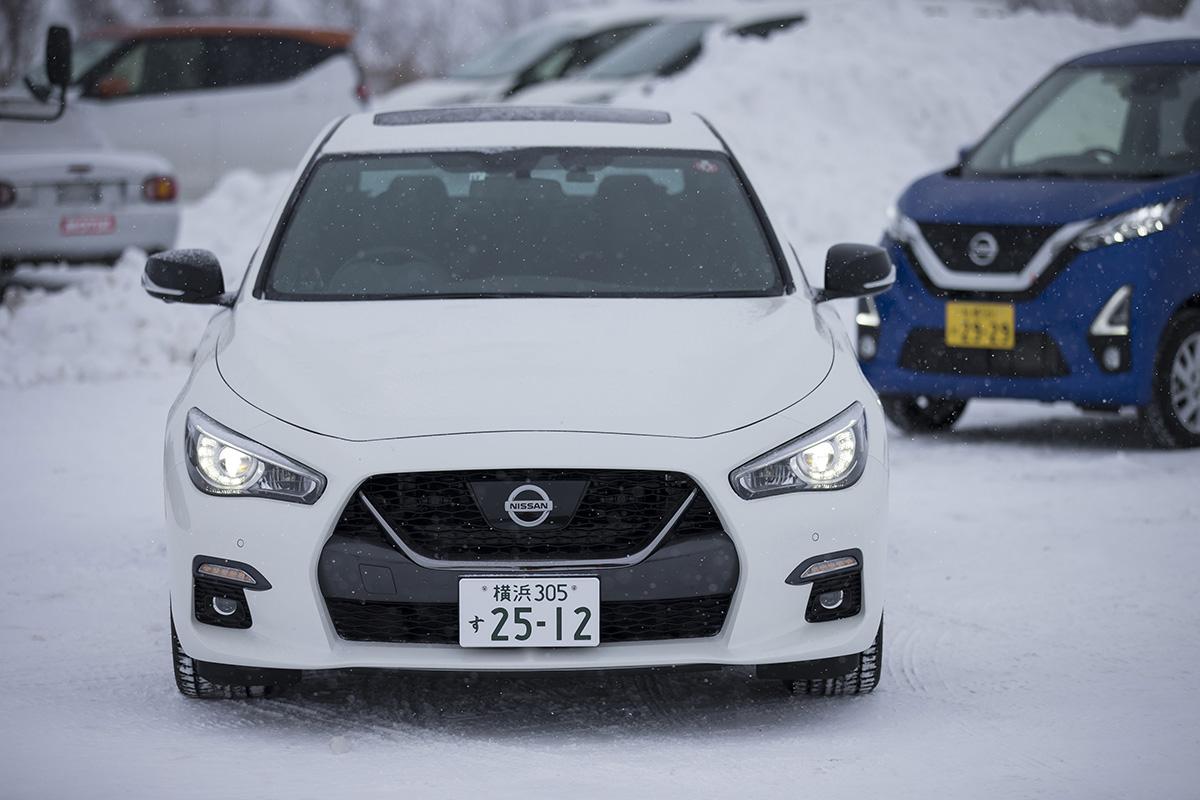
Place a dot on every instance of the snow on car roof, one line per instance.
(508, 126)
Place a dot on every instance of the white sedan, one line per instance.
(519, 388)
(66, 196)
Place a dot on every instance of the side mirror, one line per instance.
(964, 153)
(58, 56)
(856, 270)
(185, 276)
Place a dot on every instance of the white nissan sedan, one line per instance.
(520, 388)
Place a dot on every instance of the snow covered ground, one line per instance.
(1043, 636)
(1043, 623)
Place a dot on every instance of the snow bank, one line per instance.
(833, 119)
(103, 325)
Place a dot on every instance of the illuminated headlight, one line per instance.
(223, 462)
(1131, 225)
(830, 457)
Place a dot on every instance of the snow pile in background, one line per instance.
(833, 119)
(103, 325)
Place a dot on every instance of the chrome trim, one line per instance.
(160, 291)
(882, 282)
(526, 566)
(1102, 325)
(945, 278)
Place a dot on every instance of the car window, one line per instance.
(516, 52)
(153, 66)
(1117, 122)
(576, 54)
(659, 50)
(537, 222)
(767, 27)
(249, 60)
(1089, 113)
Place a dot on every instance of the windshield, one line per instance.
(526, 223)
(651, 51)
(85, 54)
(516, 52)
(1099, 122)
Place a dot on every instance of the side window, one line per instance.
(767, 27)
(1179, 118)
(1089, 114)
(251, 60)
(590, 47)
(153, 66)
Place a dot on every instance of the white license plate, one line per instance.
(87, 225)
(529, 612)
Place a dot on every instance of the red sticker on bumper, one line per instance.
(88, 225)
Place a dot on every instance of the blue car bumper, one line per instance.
(1056, 359)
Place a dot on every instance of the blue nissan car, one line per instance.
(1060, 259)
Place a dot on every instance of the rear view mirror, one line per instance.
(856, 270)
(185, 276)
(58, 56)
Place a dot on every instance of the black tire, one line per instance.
(1161, 419)
(861, 681)
(920, 414)
(190, 684)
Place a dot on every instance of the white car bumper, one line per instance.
(292, 627)
(67, 234)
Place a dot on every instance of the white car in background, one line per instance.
(516, 388)
(67, 195)
(664, 50)
(215, 96)
(545, 50)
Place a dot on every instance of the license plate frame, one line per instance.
(981, 326)
(511, 611)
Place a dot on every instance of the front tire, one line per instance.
(1172, 417)
(190, 684)
(862, 680)
(921, 414)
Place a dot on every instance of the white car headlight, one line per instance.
(1135, 224)
(829, 457)
(223, 462)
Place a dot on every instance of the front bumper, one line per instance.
(38, 234)
(1052, 325)
(292, 627)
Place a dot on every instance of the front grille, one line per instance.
(436, 514)
(1017, 244)
(437, 623)
(1036, 355)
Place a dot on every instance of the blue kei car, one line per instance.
(1060, 259)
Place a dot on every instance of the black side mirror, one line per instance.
(964, 153)
(856, 270)
(185, 276)
(58, 56)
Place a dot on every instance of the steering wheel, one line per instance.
(1101, 154)
(384, 270)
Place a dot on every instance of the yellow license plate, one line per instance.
(988, 326)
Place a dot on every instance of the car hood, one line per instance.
(1031, 201)
(387, 369)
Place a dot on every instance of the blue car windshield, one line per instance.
(1115, 122)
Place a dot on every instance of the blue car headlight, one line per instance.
(1137, 223)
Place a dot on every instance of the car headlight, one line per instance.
(223, 462)
(1135, 224)
(832, 456)
(897, 224)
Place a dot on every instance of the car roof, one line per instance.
(510, 126)
(328, 37)
(1177, 51)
